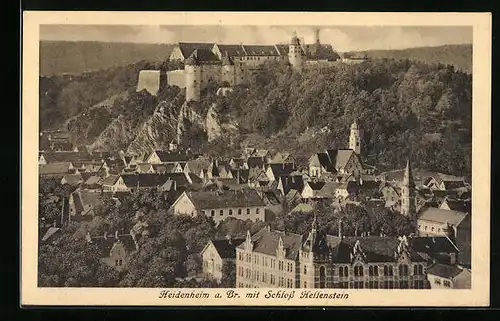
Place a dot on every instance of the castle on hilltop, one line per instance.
(226, 65)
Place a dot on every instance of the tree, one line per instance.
(228, 274)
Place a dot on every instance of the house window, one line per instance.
(305, 269)
(212, 213)
(221, 212)
(230, 212)
(248, 211)
(239, 211)
(403, 269)
(257, 211)
(447, 283)
(437, 281)
(358, 271)
(120, 262)
(305, 284)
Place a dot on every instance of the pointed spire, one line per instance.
(408, 177)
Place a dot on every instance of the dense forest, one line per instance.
(170, 245)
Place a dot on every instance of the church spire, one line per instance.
(408, 207)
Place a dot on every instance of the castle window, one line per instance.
(447, 283)
(322, 277)
(248, 211)
(341, 271)
(221, 212)
(230, 212)
(212, 213)
(257, 211)
(305, 269)
(239, 211)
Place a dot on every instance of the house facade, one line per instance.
(216, 254)
(240, 204)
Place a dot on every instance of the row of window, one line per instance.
(374, 270)
(446, 283)
(418, 284)
(432, 228)
(265, 261)
(230, 212)
(263, 277)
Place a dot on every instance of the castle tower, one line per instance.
(316, 36)
(408, 207)
(228, 70)
(355, 139)
(295, 53)
(192, 72)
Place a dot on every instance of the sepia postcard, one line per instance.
(255, 159)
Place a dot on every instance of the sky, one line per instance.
(341, 38)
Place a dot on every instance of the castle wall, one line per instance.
(193, 85)
(176, 78)
(149, 80)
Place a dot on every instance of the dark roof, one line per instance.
(110, 180)
(379, 249)
(291, 182)
(171, 156)
(187, 48)
(255, 162)
(282, 49)
(238, 198)
(232, 50)
(243, 175)
(321, 52)
(281, 169)
(444, 270)
(179, 178)
(459, 205)
(106, 243)
(227, 248)
(57, 157)
(453, 184)
(260, 50)
(340, 157)
(316, 186)
(271, 197)
(266, 242)
(202, 56)
(144, 180)
(435, 248)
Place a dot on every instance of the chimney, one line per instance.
(116, 234)
(174, 185)
(229, 239)
(340, 228)
(105, 235)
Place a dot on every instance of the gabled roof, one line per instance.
(282, 49)
(73, 179)
(266, 242)
(242, 174)
(187, 48)
(255, 161)
(444, 270)
(110, 180)
(227, 248)
(271, 197)
(280, 158)
(340, 157)
(94, 180)
(453, 184)
(323, 160)
(433, 245)
(316, 186)
(289, 182)
(106, 243)
(215, 200)
(442, 216)
(463, 206)
(281, 169)
(379, 249)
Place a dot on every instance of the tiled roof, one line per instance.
(316, 186)
(144, 180)
(260, 153)
(226, 199)
(93, 180)
(227, 248)
(203, 56)
(442, 216)
(453, 184)
(289, 182)
(303, 207)
(282, 49)
(110, 180)
(266, 242)
(232, 50)
(260, 50)
(242, 174)
(54, 168)
(280, 158)
(434, 247)
(57, 157)
(254, 161)
(444, 270)
(180, 179)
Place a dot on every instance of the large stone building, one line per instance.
(281, 259)
(229, 65)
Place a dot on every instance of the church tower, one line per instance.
(408, 207)
(295, 53)
(355, 139)
(192, 70)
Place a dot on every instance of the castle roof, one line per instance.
(266, 242)
(260, 50)
(232, 50)
(187, 48)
